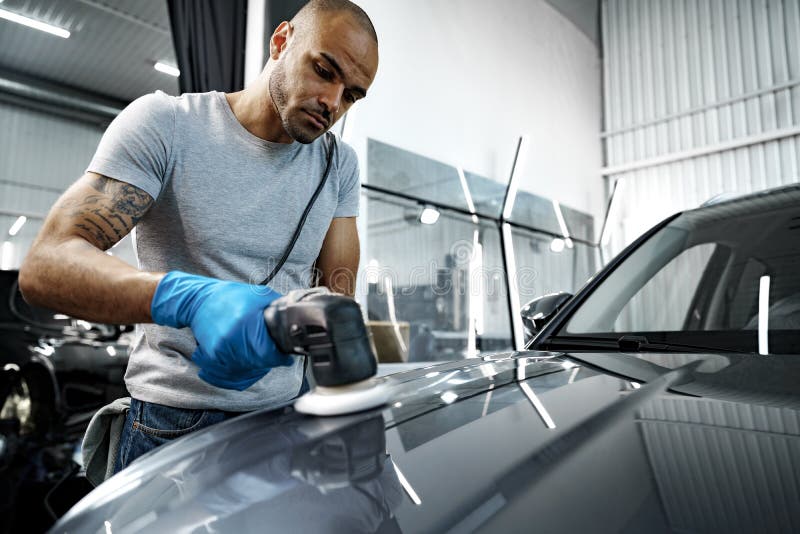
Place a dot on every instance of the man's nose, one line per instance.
(331, 98)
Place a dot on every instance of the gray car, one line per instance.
(663, 397)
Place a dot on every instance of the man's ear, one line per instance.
(279, 39)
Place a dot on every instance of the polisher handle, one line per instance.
(329, 329)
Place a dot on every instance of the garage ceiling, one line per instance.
(111, 52)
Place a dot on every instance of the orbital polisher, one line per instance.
(329, 330)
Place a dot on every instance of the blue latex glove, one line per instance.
(234, 348)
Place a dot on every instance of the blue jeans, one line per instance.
(148, 425)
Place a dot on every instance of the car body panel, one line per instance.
(527, 441)
(618, 437)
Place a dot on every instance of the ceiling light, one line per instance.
(167, 69)
(429, 216)
(557, 245)
(31, 23)
(15, 228)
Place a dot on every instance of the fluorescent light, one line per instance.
(513, 182)
(429, 216)
(35, 24)
(513, 287)
(406, 486)
(373, 271)
(573, 375)
(449, 397)
(605, 235)
(465, 188)
(521, 363)
(476, 292)
(763, 315)
(6, 255)
(537, 405)
(17, 225)
(167, 69)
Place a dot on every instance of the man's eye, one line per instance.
(350, 97)
(324, 74)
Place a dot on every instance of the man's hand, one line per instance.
(234, 348)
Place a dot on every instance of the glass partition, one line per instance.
(435, 291)
(547, 264)
(437, 262)
(407, 173)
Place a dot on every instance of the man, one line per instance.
(215, 185)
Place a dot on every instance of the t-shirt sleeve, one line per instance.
(349, 182)
(137, 145)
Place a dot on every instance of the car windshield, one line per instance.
(725, 276)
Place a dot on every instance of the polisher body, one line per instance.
(329, 330)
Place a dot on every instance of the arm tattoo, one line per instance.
(106, 217)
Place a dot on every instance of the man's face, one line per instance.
(318, 76)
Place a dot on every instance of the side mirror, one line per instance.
(539, 311)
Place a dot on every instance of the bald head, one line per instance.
(321, 63)
(316, 12)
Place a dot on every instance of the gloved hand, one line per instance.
(234, 348)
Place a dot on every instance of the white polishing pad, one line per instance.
(341, 400)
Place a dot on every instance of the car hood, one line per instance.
(517, 442)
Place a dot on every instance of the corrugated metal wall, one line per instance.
(701, 98)
(40, 156)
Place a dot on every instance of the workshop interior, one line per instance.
(576, 306)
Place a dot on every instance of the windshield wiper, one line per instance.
(630, 344)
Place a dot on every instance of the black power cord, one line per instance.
(330, 151)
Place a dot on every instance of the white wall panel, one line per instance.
(476, 76)
(702, 76)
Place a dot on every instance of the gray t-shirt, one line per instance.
(227, 204)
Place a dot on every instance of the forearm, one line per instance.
(337, 264)
(76, 278)
(339, 280)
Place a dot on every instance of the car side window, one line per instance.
(662, 304)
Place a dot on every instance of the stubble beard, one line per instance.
(279, 95)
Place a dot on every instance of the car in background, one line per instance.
(55, 372)
(664, 396)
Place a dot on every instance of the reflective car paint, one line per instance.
(517, 442)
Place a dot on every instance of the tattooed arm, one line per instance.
(67, 269)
